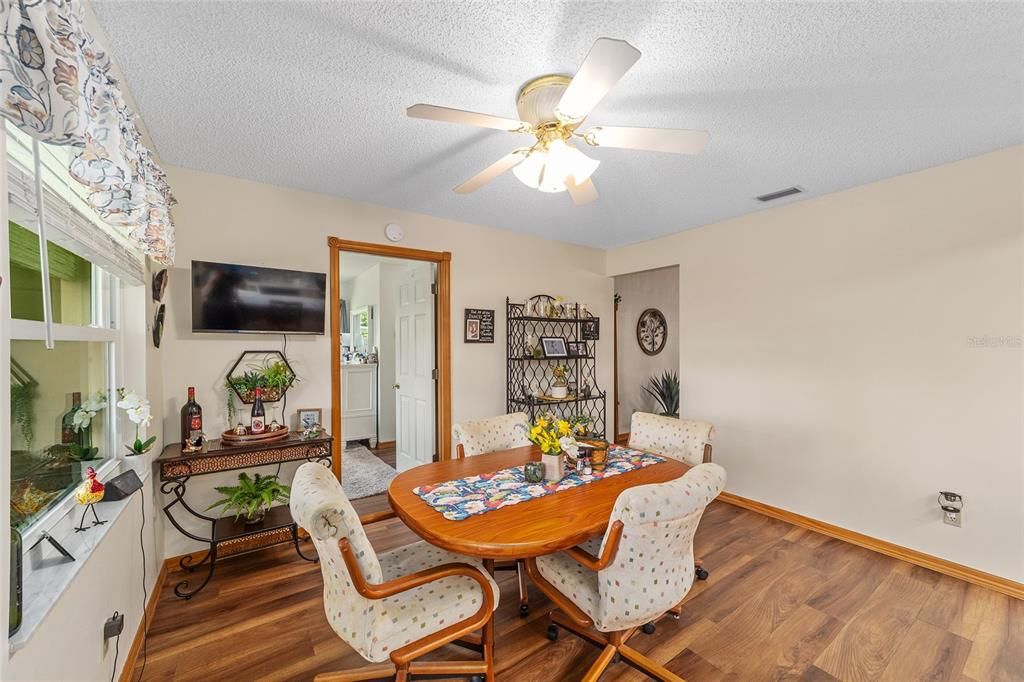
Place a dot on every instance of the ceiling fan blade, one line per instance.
(607, 61)
(503, 164)
(582, 193)
(649, 139)
(469, 118)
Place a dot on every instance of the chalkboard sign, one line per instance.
(479, 326)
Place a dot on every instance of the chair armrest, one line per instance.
(413, 580)
(611, 548)
(374, 517)
(707, 452)
(390, 588)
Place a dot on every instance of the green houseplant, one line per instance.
(252, 497)
(665, 390)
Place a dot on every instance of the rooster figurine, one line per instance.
(89, 493)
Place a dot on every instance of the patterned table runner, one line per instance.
(465, 497)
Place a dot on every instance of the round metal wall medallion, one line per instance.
(651, 331)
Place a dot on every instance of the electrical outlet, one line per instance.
(951, 518)
(114, 626)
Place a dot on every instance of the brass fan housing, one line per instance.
(536, 104)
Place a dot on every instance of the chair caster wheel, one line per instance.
(647, 628)
(701, 573)
(552, 632)
(617, 657)
(477, 678)
(524, 610)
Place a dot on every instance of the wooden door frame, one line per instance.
(443, 333)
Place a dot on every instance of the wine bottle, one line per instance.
(68, 433)
(191, 418)
(259, 414)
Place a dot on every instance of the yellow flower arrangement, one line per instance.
(552, 435)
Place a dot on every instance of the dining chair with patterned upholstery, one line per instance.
(686, 440)
(481, 436)
(398, 605)
(642, 568)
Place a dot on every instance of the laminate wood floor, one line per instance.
(781, 603)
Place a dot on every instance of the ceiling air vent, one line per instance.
(772, 196)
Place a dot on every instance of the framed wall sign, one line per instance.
(590, 329)
(479, 327)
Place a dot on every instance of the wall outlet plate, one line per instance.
(114, 626)
(951, 518)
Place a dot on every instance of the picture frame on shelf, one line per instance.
(577, 349)
(590, 329)
(307, 417)
(554, 347)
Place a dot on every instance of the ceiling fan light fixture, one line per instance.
(529, 170)
(547, 169)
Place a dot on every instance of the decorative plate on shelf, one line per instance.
(651, 331)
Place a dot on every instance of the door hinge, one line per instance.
(433, 289)
(434, 375)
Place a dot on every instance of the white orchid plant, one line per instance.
(88, 410)
(138, 411)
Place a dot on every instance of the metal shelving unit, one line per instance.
(524, 371)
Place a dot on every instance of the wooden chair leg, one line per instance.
(600, 664)
(382, 671)
(524, 597)
(402, 673)
(488, 643)
(645, 665)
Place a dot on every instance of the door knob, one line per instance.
(396, 387)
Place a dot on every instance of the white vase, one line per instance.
(554, 466)
(559, 392)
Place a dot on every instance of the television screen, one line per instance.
(243, 298)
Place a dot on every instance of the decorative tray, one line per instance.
(266, 437)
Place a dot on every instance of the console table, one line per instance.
(229, 537)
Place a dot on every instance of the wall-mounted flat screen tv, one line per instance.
(248, 299)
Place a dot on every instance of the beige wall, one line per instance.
(834, 343)
(231, 220)
(640, 291)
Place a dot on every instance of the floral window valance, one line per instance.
(56, 86)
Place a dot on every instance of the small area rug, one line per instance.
(363, 473)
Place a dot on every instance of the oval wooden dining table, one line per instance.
(528, 529)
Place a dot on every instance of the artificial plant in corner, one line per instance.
(665, 390)
(252, 497)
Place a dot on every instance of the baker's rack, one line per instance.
(525, 372)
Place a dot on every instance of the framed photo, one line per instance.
(479, 326)
(577, 349)
(554, 347)
(590, 329)
(309, 416)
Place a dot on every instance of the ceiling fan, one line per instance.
(552, 108)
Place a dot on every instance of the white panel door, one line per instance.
(414, 368)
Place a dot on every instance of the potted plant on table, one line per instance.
(252, 497)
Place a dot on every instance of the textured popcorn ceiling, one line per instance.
(826, 96)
